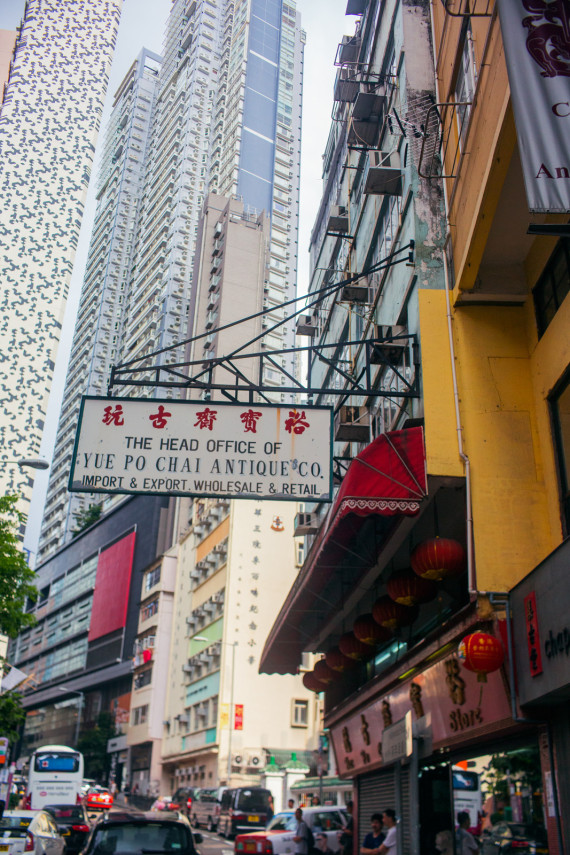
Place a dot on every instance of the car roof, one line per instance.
(118, 817)
(23, 813)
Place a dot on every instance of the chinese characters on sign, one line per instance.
(532, 635)
(198, 449)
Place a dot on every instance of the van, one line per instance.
(243, 809)
(206, 809)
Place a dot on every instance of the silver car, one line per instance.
(30, 831)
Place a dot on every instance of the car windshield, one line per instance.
(66, 812)
(141, 837)
(279, 822)
(253, 800)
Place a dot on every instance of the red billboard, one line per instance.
(112, 584)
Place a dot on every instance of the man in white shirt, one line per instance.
(390, 845)
(465, 842)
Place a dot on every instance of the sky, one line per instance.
(143, 25)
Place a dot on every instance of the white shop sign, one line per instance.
(190, 448)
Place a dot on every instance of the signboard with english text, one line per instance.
(536, 36)
(189, 448)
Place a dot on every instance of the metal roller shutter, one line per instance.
(403, 809)
(376, 792)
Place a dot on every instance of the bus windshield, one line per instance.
(56, 762)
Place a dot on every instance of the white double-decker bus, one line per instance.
(55, 777)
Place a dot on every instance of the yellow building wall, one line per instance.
(513, 530)
(442, 454)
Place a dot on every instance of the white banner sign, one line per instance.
(184, 448)
(536, 35)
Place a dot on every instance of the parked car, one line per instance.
(515, 838)
(278, 836)
(73, 825)
(142, 832)
(243, 809)
(183, 798)
(30, 831)
(206, 808)
(98, 798)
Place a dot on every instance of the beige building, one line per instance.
(150, 671)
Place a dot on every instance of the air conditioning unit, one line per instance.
(306, 325)
(338, 219)
(305, 523)
(355, 294)
(346, 85)
(352, 424)
(188, 669)
(389, 351)
(384, 176)
(237, 759)
(256, 760)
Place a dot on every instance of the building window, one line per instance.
(465, 85)
(560, 404)
(553, 285)
(151, 578)
(140, 714)
(299, 713)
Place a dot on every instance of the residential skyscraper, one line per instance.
(101, 322)
(226, 116)
(49, 120)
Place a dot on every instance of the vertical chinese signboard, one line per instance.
(238, 717)
(532, 635)
(187, 448)
(536, 36)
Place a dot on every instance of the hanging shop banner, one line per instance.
(536, 35)
(188, 448)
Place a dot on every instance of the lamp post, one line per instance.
(233, 645)
(29, 462)
(81, 697)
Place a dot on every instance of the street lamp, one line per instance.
(233, 645)
(81, 697)
(30, 462)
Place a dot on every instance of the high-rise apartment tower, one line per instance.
(49, 120)
(225, 115)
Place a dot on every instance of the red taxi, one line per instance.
(277, 839)
(98, 798)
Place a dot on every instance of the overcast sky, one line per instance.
(143, 24)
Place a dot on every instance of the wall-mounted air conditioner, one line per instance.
(352, 424)
(384, 176)
(307, 325)
(305, 523)
(255, 759)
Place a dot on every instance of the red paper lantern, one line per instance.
(367, 630)
(336, 660)
(352, 647)
(481, 653)
(408, 589)
(311, 683)
(392, 615)
(147, 655)
(438, 559)
(323, 673)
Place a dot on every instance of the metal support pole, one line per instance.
(78, 722)
(230, 723)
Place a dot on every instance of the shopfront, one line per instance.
(541, 629)
(439, 743)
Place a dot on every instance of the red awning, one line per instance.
(387, 479)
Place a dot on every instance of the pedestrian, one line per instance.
(322, 844)
(346, 837)
(301, 836)
(315, 801)
(270, 810)
(375, 838)
(390, 844)
(464, 840)
(291, 804)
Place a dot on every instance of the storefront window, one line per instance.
(488, 804)
(561, 419)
